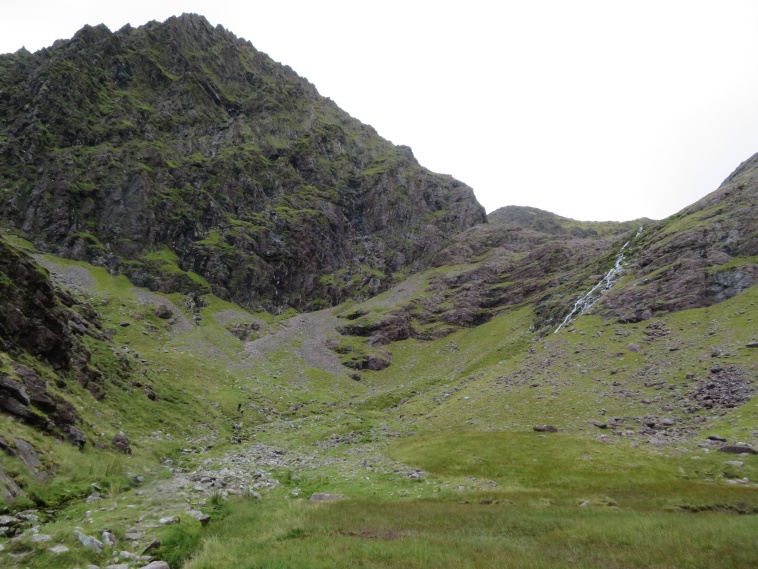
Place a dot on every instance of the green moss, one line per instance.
(164, 254)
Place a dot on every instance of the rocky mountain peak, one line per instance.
(181, 156)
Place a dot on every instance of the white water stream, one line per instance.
(588, 300)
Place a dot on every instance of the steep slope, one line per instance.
(181, 156)
(264, 427)
(703, 255)
(521, 257)
(42, 328)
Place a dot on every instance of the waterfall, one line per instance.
(588, 300)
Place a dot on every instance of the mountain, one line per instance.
(182, 157)
(522, 390)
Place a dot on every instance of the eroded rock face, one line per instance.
(45, 322)
(696, 258)
(182, 139)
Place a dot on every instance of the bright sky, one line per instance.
(592, 109)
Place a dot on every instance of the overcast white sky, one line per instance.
(592, 109)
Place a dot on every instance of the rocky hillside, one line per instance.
(168, 192)
(182, 157)
(703, 255)
(526, 257)
(44, 328)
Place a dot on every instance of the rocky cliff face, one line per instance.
(43, 327)
(705, 254)
(181, 156)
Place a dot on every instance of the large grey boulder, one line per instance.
(90, 542)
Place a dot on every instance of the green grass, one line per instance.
(534, 527)
(495, 494)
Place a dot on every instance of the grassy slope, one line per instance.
(470, 400)
(492, 493)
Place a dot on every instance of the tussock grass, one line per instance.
(471, 535)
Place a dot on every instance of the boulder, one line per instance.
(76, 436)
(28, 455)
(163, 311)
(121, 442)
(152, 546)
(156, 565)
(10, 521)
(89, 541)
(738, 449)
(199, 516)
(545, 429)
(109, 539)
(14, 389)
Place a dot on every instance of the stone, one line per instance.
(109, 539)
(76, 436)
(94, 497)
(735, 463)
(324, 497)
(121, 442)
(89, 542)
(752, 344)
(600, 424)
(41, 538)
(118, 566)
(163, 311)
(13, 406)
(716, 438)
(9, 490)
(14, 389)
(545, 429)
(134, 535)
(155, 544)
(156, 565)
(58, 549)
(200, 516)
(28, 455)
(28, 515)
(738, 449)
(169, 520)
(10, 521)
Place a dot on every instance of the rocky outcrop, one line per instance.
(44, 322)
(703, 255)
(181, 156)
(521, 256)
